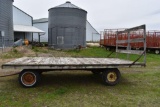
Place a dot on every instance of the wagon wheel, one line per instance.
(111, 77)
(29, 78)
(157, 52)
(148, 50)
(108, 48)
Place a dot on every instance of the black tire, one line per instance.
(29, 78)
(148, 50)
(111, 76)
(108, 48)
(96, 72)
(40, 72)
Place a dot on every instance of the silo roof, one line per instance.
(68, 4)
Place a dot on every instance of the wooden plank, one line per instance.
(19, 60)
(69, 67)
(66, 61)
(132, 29)
(138, 52)
(130, 41)
(55, 67)
(137, 40)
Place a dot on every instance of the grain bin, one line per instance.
(6, 23)
(67, 26)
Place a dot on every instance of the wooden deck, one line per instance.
(65, 63)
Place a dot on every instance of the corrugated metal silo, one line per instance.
(67, 26)
(6, 22)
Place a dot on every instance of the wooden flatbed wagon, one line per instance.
(32, 67)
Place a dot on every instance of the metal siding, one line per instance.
(6, 22)
(20, 18)
(44, 27)
(91, 33)
(67, 18)
(29, 36)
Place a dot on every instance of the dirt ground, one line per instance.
(24, 50)
(28, 52)
(93, 44)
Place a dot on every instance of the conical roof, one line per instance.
(68, 4)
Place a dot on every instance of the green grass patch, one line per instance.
(89, 52)
(98, 52)
(139, 87)
(40, 49)
(14, 53)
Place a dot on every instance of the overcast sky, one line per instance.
(103, 14)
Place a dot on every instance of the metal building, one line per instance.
(43, 25)
(6, 23)
(23, 25)
(91, 33)
(67, 26)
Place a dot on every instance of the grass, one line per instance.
(89, 52)
(97, 52)
(39, 49)
(14, 53)
(139, 87)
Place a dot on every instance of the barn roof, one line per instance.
(23, 28)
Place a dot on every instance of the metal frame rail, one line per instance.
(129, 51)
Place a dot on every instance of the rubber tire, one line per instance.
(96, 72)
(105, 79)
(36, 74)
(157, 51)
(148, 50)
(40, 72)
(108, 48)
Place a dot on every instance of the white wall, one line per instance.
(28, 36)
(44, 27)
(20, 18)
(91, 33)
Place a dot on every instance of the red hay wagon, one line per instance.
(108, 39)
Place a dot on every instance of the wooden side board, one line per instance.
(66, 63)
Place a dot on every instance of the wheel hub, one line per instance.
(157, 51)
(28, 79)
(112, 77)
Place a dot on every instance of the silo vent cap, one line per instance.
(68, 2)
